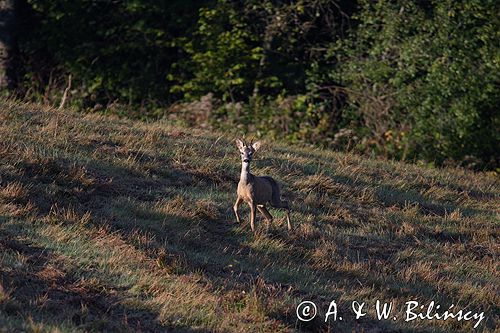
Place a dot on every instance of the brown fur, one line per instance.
(256, 191)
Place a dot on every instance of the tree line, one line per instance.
(413, 80)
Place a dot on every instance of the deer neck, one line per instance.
(245, 173)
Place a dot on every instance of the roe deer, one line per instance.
(257, 191)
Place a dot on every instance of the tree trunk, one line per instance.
(8, 46)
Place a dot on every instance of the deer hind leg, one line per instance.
(288, 219)
(235, 208)
(266, 213)
(284, 204)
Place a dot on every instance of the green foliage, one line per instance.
(223, 56)
(427, 70)
(403, 79)
(255, 57)
(116, 51)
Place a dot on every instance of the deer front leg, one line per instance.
(252, 215)
(235, 208)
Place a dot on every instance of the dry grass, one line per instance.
(113, 225)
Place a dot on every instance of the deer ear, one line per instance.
(256, 145)
(240, 144)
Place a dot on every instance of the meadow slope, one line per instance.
(109, 224)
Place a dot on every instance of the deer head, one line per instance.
(247, 150)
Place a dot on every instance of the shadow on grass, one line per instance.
(391, 196)
(42, 292)
(223, 252)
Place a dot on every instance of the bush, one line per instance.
(425, 72)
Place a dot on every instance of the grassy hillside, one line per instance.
(114, 225)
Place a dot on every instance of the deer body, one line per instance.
(257, 191)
